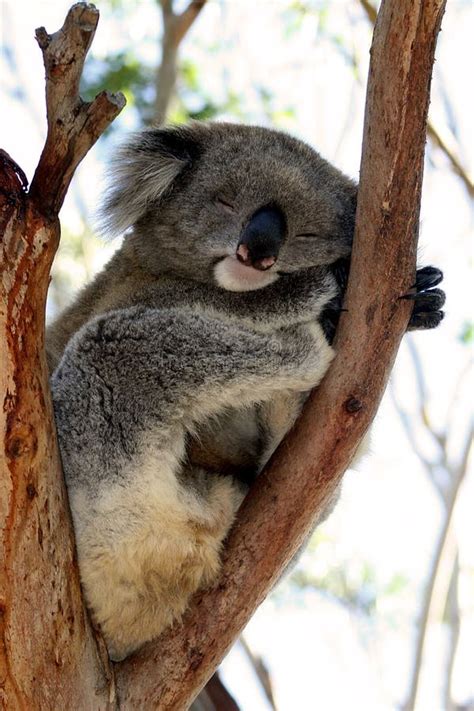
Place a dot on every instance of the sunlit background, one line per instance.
(379, 612)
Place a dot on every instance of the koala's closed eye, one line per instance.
(225, 203)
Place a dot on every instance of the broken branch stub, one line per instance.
(73, 124)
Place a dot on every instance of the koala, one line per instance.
(177, 372)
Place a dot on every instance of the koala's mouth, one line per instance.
(262, 263)
(233, 274)
(256, 253)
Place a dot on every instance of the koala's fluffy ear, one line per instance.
(141, 172)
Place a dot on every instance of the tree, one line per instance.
(50, 638)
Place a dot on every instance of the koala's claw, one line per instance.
(427, 306)
(428, 302)
(427, 277)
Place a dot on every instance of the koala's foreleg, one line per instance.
(130, 387)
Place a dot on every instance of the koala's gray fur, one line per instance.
(174, 373)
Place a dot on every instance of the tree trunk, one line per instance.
(49, 657)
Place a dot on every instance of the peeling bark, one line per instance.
(49, 657)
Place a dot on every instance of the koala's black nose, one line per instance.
(262, 238)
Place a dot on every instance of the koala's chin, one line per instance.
(232, 275)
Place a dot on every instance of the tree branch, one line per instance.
(73, 125)
(261, 672)
(187, 17)
(175, 27)
(436, 578)
(48, 655)
(431, 130)
(301, 479)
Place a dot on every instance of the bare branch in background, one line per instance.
(431, 130)
(441, 588)
(220, 699)
(175, 27)
(301, 479)
(453, 618)
(261, 671)
(453, 159)
(437, 577)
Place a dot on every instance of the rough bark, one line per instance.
(49, 657)
(302, 477)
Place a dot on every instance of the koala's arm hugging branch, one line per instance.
(48, 655)
(303, 476)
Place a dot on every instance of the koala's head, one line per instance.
(228, 204)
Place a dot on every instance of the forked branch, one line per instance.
(48, 653)
(175, 28)
(74, 125)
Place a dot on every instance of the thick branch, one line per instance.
(431, 130)
(48, 654)
(73, 125)
(301, 479)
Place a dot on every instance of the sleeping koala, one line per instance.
(178, 371)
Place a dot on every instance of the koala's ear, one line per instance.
(141, 172)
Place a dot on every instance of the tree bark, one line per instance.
(302, 477)
(49, 657)
(431, 130)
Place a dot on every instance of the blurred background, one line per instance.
(379, 612)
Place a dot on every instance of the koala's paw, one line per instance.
(428, 301)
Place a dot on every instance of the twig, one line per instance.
(300, 480)
(261, 672)
(454, 160)
(440, 438)
(431, 130)
(454, 621)
(428, 465)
